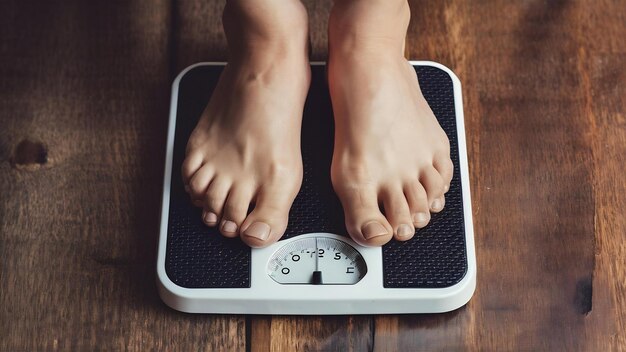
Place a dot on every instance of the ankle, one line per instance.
(368, 26)
(276, 27)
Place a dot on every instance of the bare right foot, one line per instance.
(245, 150)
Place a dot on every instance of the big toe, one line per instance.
(268, 220)
(365, 223)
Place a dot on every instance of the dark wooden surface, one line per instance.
(84, 88)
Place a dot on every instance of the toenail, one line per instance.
(210, 218)
(437, 204)
(229, 226)
(258, 230)
(420, 218)
(405, 231)
(373, 229)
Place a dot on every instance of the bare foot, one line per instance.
(245, 150)
(389, 148)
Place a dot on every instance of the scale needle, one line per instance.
(317, 274)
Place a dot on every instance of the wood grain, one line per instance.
(602, 68)
(78, 235)
(87, 85)
(536, 178)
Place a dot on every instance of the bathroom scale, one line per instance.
(315, 268)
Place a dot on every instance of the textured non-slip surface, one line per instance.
(199, 257)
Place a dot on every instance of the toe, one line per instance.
(445, 167)
(216, 195)
(191, 164)
(199, 182)
(418, 203)
(437, 204)
(433, 184)
(209, 218)
(235, 209)
(398, 213)
(364, 221)
(268, 220)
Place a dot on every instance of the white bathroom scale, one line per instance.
(315, 268)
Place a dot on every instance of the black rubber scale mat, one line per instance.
(435, 258)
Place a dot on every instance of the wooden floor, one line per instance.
(84, 88)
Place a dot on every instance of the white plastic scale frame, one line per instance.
(368, 296)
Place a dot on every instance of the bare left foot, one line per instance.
(389, 147)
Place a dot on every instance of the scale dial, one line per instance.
(318, 261)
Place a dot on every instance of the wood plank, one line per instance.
(197, 33)
(532, 150)
(310, 333)
(318, 12)
(601, 58)
(89, 80)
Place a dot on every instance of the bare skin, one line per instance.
(245, 150)
(389, 147)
